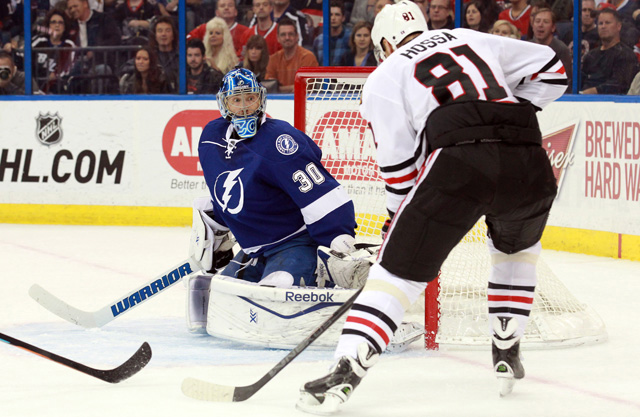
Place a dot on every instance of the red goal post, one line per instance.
(326, 108)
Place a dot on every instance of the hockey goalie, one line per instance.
(272, 313)
(270, 190)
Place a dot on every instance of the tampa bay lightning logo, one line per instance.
(228, 191)
(286, 145)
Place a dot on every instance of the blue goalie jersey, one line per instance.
(272, 187)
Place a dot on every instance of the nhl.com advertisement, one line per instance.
(145, 153)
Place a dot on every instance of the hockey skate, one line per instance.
(324, 395)
(407, 333)
(506, 353)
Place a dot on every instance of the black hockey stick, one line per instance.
(207, 391)
(134, 364)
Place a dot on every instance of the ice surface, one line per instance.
(90, 267)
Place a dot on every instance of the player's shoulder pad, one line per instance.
(282, 141)
(215, 129)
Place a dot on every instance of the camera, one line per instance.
(5, 73)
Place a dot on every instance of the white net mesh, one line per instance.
(332, 120)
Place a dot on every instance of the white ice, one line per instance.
(90, 267)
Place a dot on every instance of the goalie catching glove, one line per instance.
(211, 243)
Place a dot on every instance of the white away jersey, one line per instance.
(272, 187)
(438, 68)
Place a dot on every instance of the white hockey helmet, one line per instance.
(394, 23)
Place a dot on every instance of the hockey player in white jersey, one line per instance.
(453, 114)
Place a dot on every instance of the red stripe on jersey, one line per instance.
(534, 76)
(515, 299)
(404, 178)
(371, 325)
(561, 70)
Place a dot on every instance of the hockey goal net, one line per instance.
(455, 305)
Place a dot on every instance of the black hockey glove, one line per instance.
(220, 260)
(385, 227)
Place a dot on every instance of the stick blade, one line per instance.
(207, 391)
(62, 309)
(132, 366)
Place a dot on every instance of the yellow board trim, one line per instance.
(558, 238)
(95, 215)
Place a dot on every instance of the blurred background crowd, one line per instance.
(132, 46)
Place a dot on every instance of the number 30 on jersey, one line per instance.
(307, 178)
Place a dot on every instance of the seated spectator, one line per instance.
(563, 9)
(284, 63)
(363, 10)
(51, 68)
(193, 11)
(11, 30)
(256, 57)
(263, 26)
(134, 17)
(361, 47)
(339, 36)
(534, 6)
(282, 9)
(490, 11)
(201, 78)
(227, 11)
(518, 14)
(164, 42)
(379, 4)
(544, 26)
(12, 80)
(475, 17)
(505, 28)
(424, 8)
(92, 28)
(440, 15)
(590, 38)
(220, 53)
(147, 77)
(610, 68)
(634, 89)
(629, 34)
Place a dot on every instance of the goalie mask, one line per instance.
(394, 23)
(242, 101)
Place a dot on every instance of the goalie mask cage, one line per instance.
(455, 304)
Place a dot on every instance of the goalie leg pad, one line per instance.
(197, 303)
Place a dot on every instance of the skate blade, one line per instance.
(506, 385)
(309, 404)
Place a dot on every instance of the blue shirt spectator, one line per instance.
(338, 39)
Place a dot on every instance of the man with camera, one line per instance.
(11, 80)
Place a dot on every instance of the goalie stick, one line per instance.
(98, 318)
(207, 391)
(131, 367)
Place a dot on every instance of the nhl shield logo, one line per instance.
(49, 128)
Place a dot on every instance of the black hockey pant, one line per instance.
(512, 185)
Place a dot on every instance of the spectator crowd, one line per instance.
(131, 46)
